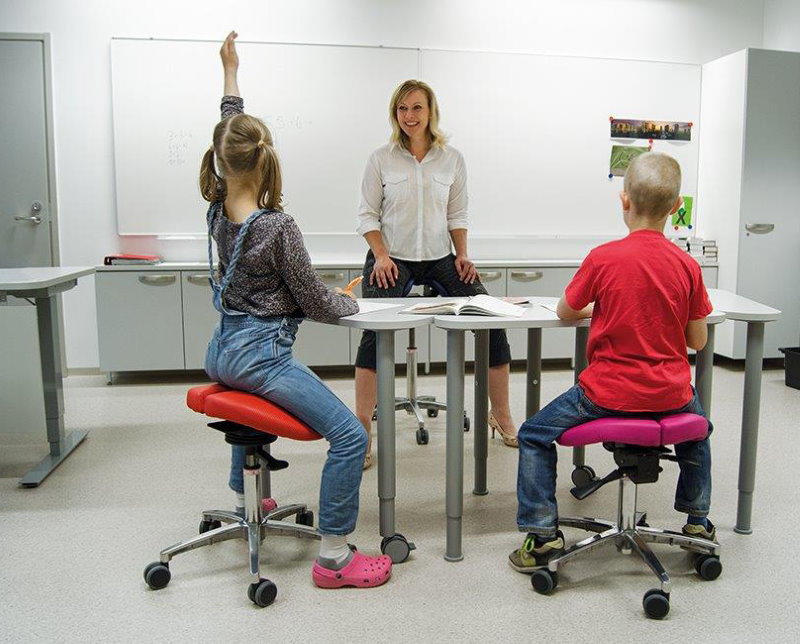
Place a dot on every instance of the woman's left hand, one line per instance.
(466, 270)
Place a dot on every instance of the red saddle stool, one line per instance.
(638, 445)
(254, 423)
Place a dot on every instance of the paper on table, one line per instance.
(368, 307)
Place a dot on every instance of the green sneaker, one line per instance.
(529, 557)
(703, 532)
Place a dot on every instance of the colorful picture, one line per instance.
(683, 217)
(636, 129)
(621, 157)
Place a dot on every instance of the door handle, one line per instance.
(156, 280)
(528, 276)
(488, 276)
(327, 276)
(200, 280)
(759, 229)
(34, 219)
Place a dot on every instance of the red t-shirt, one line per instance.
(645, 290)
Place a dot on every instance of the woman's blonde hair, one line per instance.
(398, 136)
(242, 146)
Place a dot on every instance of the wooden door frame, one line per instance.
(44, 38)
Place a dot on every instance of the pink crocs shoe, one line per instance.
(361, 572)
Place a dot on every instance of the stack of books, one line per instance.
(702, 248)
(117, 260)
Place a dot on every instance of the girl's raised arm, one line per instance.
(230, 65)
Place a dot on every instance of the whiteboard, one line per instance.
(326, 106)
(533, 129)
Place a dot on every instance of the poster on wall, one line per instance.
(645, 129)
(682, 218)
(621, 157)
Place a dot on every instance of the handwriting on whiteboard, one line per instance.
(177, 146)
(283, 122)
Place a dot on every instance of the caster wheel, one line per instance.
(544, 581)
(263, 593)
(306, 517)
(655, 603)
(708, 567)
(157, 575)
(583, 475)
(433, 413)
(205, 526)
(422, 436)
(397, 547)
(466, 422)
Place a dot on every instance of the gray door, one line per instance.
(25, 228)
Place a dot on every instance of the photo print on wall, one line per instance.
(621, 157)
(644, 129)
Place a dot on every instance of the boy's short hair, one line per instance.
(653, 183)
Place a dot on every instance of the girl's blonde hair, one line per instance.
(398, 136)
(242, 146)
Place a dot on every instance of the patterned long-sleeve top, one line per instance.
(274, 275)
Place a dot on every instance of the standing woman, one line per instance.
(413, 207)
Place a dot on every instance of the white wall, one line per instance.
(666, 30)
(782, 25)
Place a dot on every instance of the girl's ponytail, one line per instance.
(270, 191)
(212, 186)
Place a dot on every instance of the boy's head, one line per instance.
(652, 186)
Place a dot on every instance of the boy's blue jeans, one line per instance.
(255, 355)
(536, 477)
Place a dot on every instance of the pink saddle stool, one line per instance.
(638, 445)
(254, 423)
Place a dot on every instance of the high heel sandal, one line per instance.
(369, 457)
(507, 435)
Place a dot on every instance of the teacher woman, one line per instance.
(413, 207)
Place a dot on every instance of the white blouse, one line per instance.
(414, 204)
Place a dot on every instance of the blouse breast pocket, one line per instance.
(395, 188)
(440, 185)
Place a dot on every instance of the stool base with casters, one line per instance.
(637, 463)
(255, 525)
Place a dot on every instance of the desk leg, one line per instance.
(454, 464)
(581, 336)
(533, 384)
(754, 354)
(386, 432)
(50, 355)
(481, 415)
(703, 370)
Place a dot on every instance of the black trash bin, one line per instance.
(792, 362)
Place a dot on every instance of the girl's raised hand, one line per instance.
(230, 59)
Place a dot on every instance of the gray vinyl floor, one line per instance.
(72, 551)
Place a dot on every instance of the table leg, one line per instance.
(50, 356)
(751, 406)
(581, 336)
(386, 432)
(703, 371)
(454, 464)
(480, 418)
(533, 384)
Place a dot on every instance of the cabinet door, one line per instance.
(542, 281)
(139, 320)
(199, 317)
(494, 279)
(319, 345)
(710, 276)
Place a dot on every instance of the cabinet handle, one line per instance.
(527, 276)
(156, 280)
(488, 276)
(759, 229)
(200, 280)
(338, 277)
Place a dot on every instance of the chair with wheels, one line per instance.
(638, 444)
(252, 422)
(413, 403)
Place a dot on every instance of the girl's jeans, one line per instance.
(536, 477)
(255, 355)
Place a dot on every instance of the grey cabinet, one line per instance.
(319, 345)
(139, 320)
(199, 317)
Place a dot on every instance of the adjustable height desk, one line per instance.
(43, 284)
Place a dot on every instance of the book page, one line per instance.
(488, 305)
(368, 307)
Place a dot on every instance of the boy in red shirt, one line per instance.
(648, 304)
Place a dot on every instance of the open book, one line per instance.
(475, 305)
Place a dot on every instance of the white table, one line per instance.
(535, 319)
(385, 323)
(755, 315)
(43, 284)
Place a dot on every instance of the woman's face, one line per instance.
(413, 113)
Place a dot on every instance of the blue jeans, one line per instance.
(255, 355)
(536, 477)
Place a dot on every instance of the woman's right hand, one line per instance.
(384, 273)
(230, 59)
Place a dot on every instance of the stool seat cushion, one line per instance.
(248, 409)
(648, 432)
